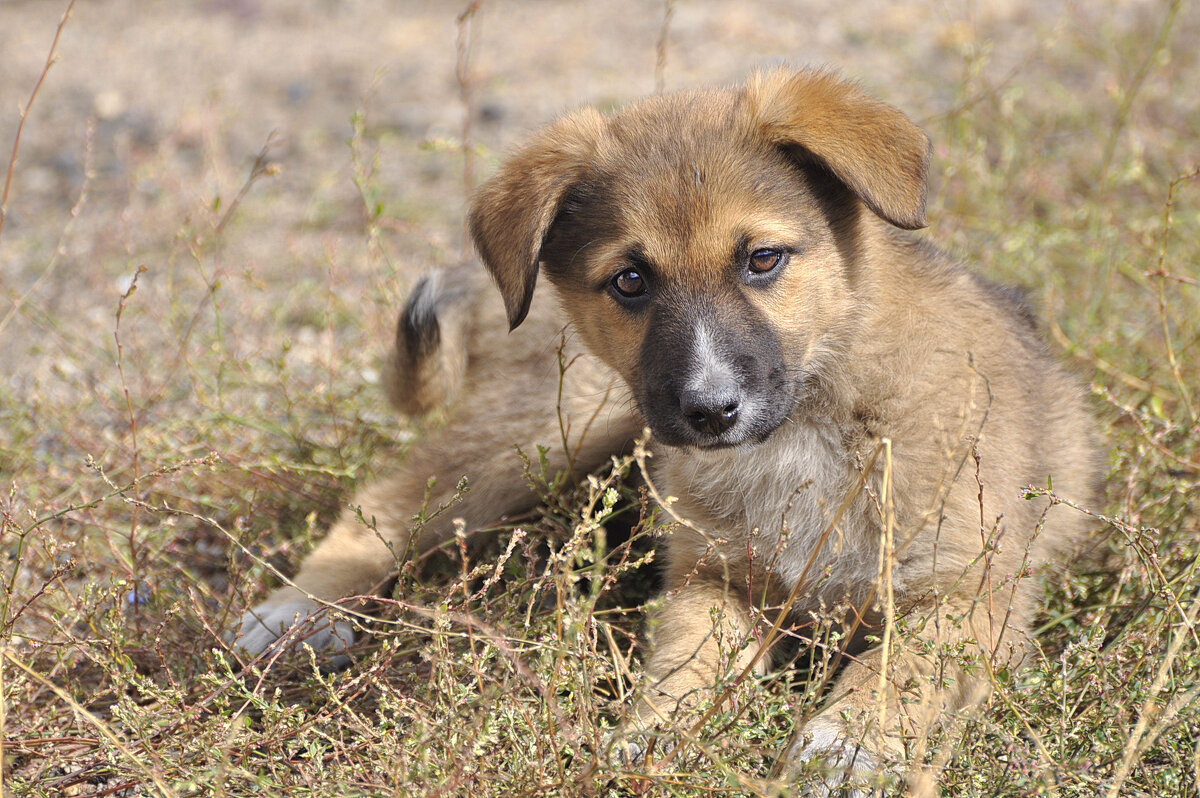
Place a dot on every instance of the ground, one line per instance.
(271, 177)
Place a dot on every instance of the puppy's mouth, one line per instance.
(674, 436)
(719, 445)
(728, 422)
(713, 376)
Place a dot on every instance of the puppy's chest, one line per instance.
(791, 487)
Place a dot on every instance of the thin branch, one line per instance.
(660, 48)
(12, 161)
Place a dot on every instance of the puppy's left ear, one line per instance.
(512, 212)
(870, 146)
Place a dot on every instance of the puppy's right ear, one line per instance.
(512, 212)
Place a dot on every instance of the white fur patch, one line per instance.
(846, 769)
(708, 367)
(296, 622)
(790, 486)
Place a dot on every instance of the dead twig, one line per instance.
(12, 160)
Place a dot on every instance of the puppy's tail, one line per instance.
(428, 366)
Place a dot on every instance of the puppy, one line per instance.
(842, 416)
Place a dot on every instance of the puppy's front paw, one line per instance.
(295, 621)
(828, 762)
(633, 747)
(643, 738)
(626, 751)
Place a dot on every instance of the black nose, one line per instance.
(711, 410)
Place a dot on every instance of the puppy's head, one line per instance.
(707, 244)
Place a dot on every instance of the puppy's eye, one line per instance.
(764, 260)
(629, 283)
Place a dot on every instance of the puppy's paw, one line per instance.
(295, 621)
(828, 762)
(636, 743)
(626, 751)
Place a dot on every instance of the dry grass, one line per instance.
(192, 305)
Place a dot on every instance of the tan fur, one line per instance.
(904, 355)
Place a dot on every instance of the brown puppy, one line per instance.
(844, 416)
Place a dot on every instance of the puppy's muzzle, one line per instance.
(712, 409)
(713, 373)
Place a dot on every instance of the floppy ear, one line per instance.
(512, 212)
(870, 146)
